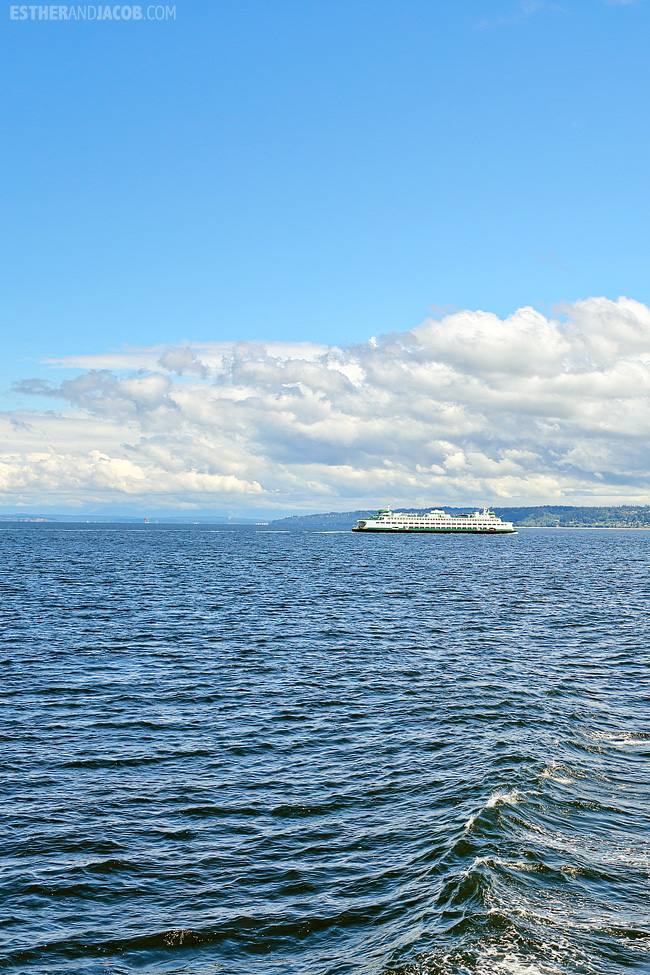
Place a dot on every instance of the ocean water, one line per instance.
(245, 751)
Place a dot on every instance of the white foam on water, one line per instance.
(506, 960)
(511, 798)
(560, 779)
(556, 955)
(621, 738)
(556, 772)
(512, 965)
(629, 741)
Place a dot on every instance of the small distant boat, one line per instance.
(146, 521)
(483, 522)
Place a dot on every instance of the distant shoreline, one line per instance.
(574, 517)
(582, 528)
(320, 529)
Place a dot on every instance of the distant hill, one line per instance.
(544, 516)
(332, 521)
(567, 516)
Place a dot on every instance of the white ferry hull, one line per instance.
(436, 531)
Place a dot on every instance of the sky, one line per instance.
(263, 257)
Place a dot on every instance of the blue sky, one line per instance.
(322, 172)
(287, 170)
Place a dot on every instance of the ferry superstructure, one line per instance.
(436, 520)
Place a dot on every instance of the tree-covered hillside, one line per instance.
(545, 516)
(567, 516)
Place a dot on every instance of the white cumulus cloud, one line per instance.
(468, 409)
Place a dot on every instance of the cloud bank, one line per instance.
(469, 409)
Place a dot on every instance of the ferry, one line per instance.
(483, 522)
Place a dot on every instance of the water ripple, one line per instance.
(239, 751)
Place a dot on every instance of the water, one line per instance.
(242, 751)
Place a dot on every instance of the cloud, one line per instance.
(184, 362)
(524, 10)
(468, 409)
(553, 261)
